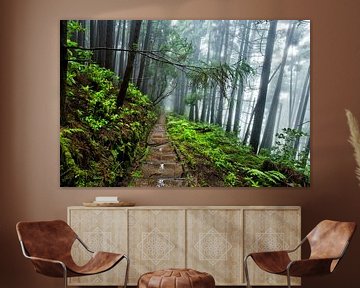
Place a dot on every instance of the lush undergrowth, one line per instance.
(214, 158)
(100, 143)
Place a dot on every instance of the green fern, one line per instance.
(263, 178)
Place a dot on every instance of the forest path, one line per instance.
(162, 167)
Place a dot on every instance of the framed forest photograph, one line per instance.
(185, 103)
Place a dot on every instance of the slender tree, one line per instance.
(117, 46)
(133, 42)
(247, 132)
(122, 53)
(246, 56)
(109, 60)
(205, 98)
(302, 116)
(219, 116)
(81, 34)
(229, 126)
(63, 70)
(270, 123)
(260, 105)
(298, 119)
(102, 41)
(146, 46)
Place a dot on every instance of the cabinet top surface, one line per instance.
(192, 207)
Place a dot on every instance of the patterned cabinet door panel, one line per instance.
(214, 244)
(267, 230)
(101, 230)
(156, 240)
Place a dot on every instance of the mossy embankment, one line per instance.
(216, 158)
(101, 143)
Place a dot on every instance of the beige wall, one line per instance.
(29, 119)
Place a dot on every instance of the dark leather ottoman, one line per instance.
(176, 278)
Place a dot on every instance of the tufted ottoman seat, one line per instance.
(176, 278)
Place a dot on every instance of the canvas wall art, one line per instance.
(185, 103)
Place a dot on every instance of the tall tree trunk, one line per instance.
(294, 99)
(270, 124)
(219, 114)
(94, 37)
(184, 89)
(196, 111)
(109, 63)
(134, 38)
(213, 103)
(278, 119)
(298, 120)
(209, 100)
(177, 97)
(145, 47)
(122, 53)
(291, 92)
(224, 44)
(246, 56)
(245, 38)
(63, 70)
(117, 40)
(102, 41)
(93, 33)
(302, 117)
(81, 34)
(197, 42)
(265, 73)
(246, 135)
(192, 112)
(205, 98)
(147, 66)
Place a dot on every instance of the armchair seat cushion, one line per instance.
(99, 262)
(272, 262)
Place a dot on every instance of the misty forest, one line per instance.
(185, 103)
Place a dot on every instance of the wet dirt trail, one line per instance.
(162, 167)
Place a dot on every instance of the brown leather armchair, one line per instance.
(328, 242)
(48, 245)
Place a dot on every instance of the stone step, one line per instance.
(164, 148)
(158, 134)
(162, 170)
(158, 141)
(159, 127)
(161, 182)
(157, 156)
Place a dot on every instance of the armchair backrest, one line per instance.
(329, 239)
(46, 239)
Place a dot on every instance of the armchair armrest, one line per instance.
(279, 252)
(84, 245)
(298, 246)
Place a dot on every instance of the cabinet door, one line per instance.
(269, 230)
(156, 240)
(101, 230)
(214, 244)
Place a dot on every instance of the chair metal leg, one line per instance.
(126, 271)
(65, 275)
(246, 272)
(288, 278)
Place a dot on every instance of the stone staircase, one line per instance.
(161, 167)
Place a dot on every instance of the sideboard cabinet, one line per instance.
(211, 239)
